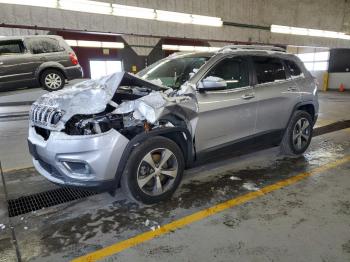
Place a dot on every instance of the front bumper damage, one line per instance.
(77, 160)
(90, 158)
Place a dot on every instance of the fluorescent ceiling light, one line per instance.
(309, 32)
(298, 31)
(132, 11)
(86, 6)
(41, 3)
(84, 43)
(72, 42)
(185, 48)
(174, 17)
(206, 20)
(121, 10)
(112, 45)
(97, 44)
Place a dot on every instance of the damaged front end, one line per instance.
(79, 134)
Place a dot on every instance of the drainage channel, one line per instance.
(45, 199)
(331, 127)
(34, 202)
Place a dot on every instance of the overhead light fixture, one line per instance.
(133, 11)
(185, 48)
(206, 20)
(105, 8)
(96, 44)
(71, 42)
(40, 3)
(308, 32)
(173, 17)
(86, 6)
(118, 45)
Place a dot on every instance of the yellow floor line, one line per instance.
(120, 246)
(16, 169)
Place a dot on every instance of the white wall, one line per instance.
(335, 79)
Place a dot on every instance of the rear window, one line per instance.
(42, 45)
(268, 69)
(11, 47)
(294, 70)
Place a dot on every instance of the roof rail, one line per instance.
(253, 47)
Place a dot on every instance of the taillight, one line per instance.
(73, 58)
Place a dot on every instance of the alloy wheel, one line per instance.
(157, 171)
(53, 81)
(301, 133)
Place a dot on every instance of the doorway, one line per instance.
(100, 68)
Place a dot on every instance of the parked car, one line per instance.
(142, 131)
(44, 60)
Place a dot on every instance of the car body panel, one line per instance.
(210, 119)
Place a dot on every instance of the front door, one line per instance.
(227, 115)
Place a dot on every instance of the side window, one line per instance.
(268, 69)
(44, 45)
(293, 68)
(11, 47)
(233, 70)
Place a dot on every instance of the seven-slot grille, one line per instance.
(45, 115)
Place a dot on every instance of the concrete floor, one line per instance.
(307, 221)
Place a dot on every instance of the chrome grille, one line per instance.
(44, 115)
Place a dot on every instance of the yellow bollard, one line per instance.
(325, 81)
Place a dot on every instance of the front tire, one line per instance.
(153, 171)
(52, 80)
(298, 135)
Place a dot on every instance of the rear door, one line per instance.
(14, 62)
(276, 92)
(230, 114)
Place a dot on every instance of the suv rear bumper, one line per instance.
(79, 161)
(74, 72)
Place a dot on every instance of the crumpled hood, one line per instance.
(88, 97)
(53, 110)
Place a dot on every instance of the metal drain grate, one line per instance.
(45, 199)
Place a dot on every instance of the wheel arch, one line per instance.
(181, 136)
(309, 108)
(51, 67)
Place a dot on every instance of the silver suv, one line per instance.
(44, 60)
(141, 131)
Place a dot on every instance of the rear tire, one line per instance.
(298, 134)
(153, 171)
(52, 80)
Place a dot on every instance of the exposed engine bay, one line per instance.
(122, 101)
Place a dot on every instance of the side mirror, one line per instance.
(212, 83)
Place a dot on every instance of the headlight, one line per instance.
(146, 111)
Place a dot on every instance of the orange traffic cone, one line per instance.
(341, 87)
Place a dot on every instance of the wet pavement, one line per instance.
(66, 231)
(308, 221)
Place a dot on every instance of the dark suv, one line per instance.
(44, 60)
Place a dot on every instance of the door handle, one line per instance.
(1, 63)
(248, 96)
(293, 88)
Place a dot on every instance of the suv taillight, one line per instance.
(73, 58)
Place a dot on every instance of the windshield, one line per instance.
(173, 72)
